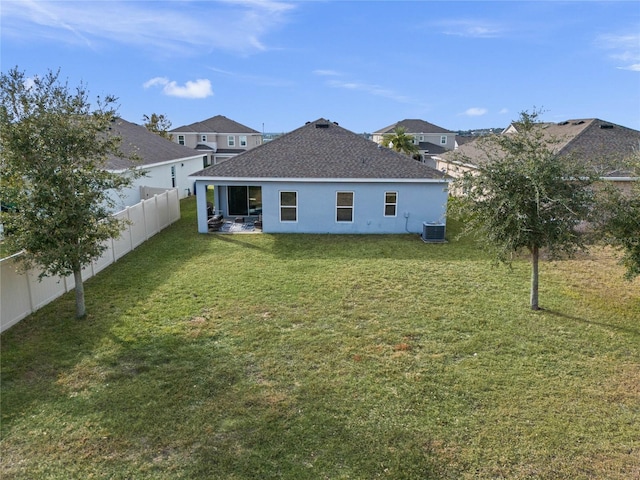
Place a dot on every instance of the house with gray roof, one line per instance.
(431, 139)
(322, 178)
(601, 145)
(218, 137)
(166, 164)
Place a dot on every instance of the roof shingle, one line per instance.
(599, 144)
(414, 126)
(322, 150)
(216, 124)
(149, 147)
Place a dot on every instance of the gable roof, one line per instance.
(414, 126)
(598, 143)
(321, 150)
(149, 147)
(217, 124)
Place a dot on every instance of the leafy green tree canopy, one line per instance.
(523, 196)
(54, 152)
(158, 124)
(618, 219)
(400, 141)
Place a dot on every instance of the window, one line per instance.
(443, 139)
(243, 140)
(181, 139)
(173, 176)
(288, 206)
(390, 204)
(206, 161)
(231, 141)
(204, 138)
(344, 207)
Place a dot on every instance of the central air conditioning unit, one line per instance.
(433, 232)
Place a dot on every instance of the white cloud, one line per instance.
(326, 73)
(624, 48)
(262, 80)
(475, 112)
(200, 88)
(371, 89)
(471, 28)
(163, 27)
(634, 68)
(503, 111)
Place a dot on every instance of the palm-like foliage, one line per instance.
(400, 141)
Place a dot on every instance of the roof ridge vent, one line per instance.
(322, 125)
(578, 122)
(606, 126)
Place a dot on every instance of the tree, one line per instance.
(400, 141)
(54, 149)
(618, 220)
(523, 196)
(158, 124)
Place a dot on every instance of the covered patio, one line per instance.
(218, 223)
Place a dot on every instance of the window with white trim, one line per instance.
(344, 206)
(443, 139)
(390, 204)
(231, 141)
(173, 176)
(288, 206)
(243, 140)
(181, 139)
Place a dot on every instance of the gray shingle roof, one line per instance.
(150, 147)
(217, 124)
(601, 144)
(322, 150)
(414, 126)
(596, 142)
(431, 148)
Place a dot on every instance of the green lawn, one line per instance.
(326, 357)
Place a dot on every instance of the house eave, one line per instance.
(319, 180)
(144, 166)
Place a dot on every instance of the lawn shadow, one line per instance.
(240, 240)
(48, 343)
(369, 247)
(585, 321)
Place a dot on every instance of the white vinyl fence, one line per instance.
(22, 293)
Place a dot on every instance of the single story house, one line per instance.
(322, 178)
(166, 164)
(601, 145)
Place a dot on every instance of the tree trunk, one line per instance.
(534, 278)
(80, 307)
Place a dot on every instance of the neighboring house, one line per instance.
(217, 137)
(600, 144)
(167, 165)
(322, 178)
(431, 139)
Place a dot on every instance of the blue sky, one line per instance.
(274, 65)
